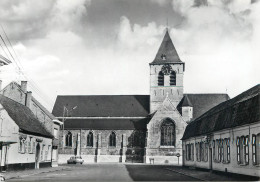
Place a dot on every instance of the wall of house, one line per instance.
(233, 166)
(22, 155)
(158, 93)
(154, 150)
(9, 132)
(19, 94)
(101, 151)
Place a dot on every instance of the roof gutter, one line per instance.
(101, 117)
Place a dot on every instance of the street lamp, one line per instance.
(65, 109)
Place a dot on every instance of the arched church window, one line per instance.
(168, 132)
(68, 141)
(161, 79)
(112, 139)
(173, 78)
(90, 139)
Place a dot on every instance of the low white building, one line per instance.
(24, 141)
(227, 137)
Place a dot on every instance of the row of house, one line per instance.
(227, 137)
(28, 133)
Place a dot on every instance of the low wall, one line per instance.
(163, 160)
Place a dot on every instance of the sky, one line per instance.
(104, 47)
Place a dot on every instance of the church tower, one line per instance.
(166, 75)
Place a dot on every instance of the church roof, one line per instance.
(201, 103)
(186, 101)
(103, 105)
(242, 109)
(24, 117)
(107, 124)
(167, 52)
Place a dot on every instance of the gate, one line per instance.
(135, 155)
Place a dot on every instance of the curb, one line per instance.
(185, 174)
(40, 172)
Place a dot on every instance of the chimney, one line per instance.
(28, 99)
(0, 84)
(24, 86)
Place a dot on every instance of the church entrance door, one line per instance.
(135, 155)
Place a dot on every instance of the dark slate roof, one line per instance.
(103, 105)
(167, 48)
(242, 109)
(186, 101)
(107, 124)
(203, 102)
(24, 117)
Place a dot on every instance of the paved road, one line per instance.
(109, 172)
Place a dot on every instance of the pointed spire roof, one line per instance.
(186, 102)
(167, 52)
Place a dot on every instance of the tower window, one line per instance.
(173, 78)
(168, 133)
(161, 79)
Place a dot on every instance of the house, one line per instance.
(134, 128)
(24, 141)
(227, 137)
(20, 94)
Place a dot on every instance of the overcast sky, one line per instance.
(102, 47)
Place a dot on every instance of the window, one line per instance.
(198, 152)
(21, 146)
(214, 148)
(30, 145)
(34, 148)
(68, 140)
(43, 147)
(238, 150)
(243, 150)
(227, 150)
(205, 152)
(201, 151)
(190, 152)
(173, 78)
(167, 132)
(90, 139)
(256, 149)
(246, 149)
(56, 133)
(112, 139)
(219, 150)
(160, 79)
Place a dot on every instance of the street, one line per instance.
(123, 172)
(108, 172)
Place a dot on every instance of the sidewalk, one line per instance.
(203, 175)
(30, 172)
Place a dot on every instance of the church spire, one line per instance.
(167, 52)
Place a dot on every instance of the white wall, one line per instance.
(233, 166)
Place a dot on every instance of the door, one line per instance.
(37, 156)
(210, 158)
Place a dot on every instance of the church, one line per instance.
(133, 128)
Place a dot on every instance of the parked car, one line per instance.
(2, 178)
(75, 160)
